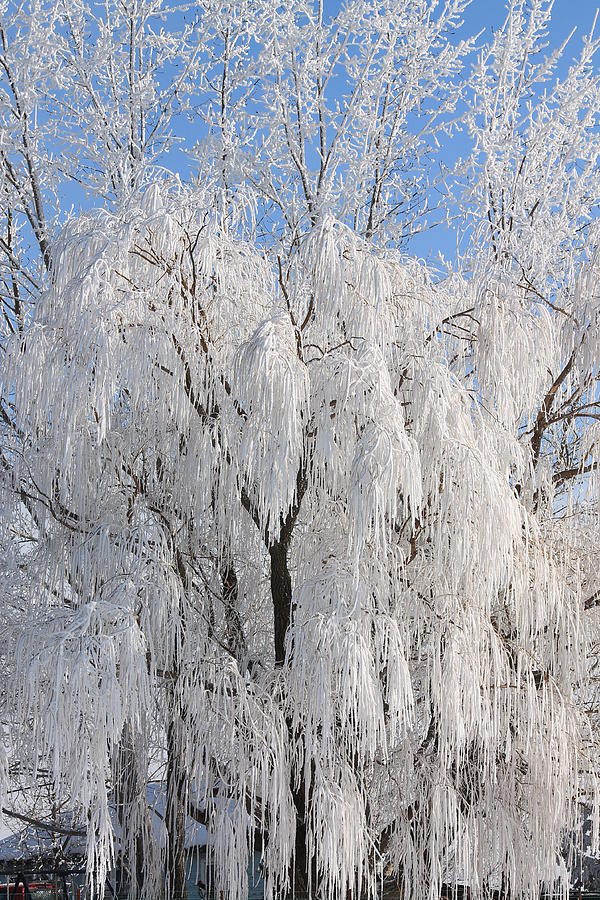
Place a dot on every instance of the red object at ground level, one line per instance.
(38, 890)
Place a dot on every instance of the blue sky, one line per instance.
(485, 16)
(566, 15)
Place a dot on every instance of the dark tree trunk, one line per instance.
(281, 592)
(176, 811)
(130, 784)
(236, 637)
(281, 595)
(281, 579)
(177, 782)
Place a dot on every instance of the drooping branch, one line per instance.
(543, 415)
(45, 824)
(236, 638)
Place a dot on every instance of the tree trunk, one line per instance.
(281, 592)
(130, 785)
(176, 811)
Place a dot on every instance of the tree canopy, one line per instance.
(288, 515)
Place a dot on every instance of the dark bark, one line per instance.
(130, 785)
(281, 597)
(44, 824)
(281, 593)
(300, 874)
(543, 416)
(177, 783)
(236, 637)
(176, 811)
(281, 579)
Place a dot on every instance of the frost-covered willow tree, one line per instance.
(283, 509)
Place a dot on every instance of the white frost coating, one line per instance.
(310, 530)
(95, 656)
(353, 287)
(426, 689)
(512, 333)
(385, 480)
(271, 384)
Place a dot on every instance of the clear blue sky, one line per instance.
(566, 15)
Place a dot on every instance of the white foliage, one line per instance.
(281, 508)
(272, 386)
